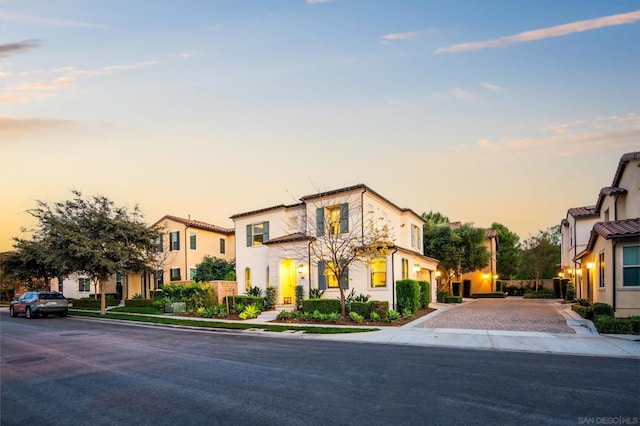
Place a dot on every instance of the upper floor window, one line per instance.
(174, 241)
(159, 244)
(223, 243)
(631, 266)
(379, 272)
(327, 277)
(257, 233)
(416, 237)
(174, 274)
(333, 220)
(192, 240)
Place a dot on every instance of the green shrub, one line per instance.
(255, 292)
(494, 295)
(583, 302)
(235, 301)
(284, 315)
(356, 317)
(378, 307)
(453, 299)
(425, 294)
(361, 308)
(195, 295)
(325, 306)
(583, 311)
(250, 312)
(408, 292)
(140, 303)
(392, 315)
(270, 297)
(407, 313)
(571, 291)
(442, 296)
(635, 323)
(374, 316)
(315, 293)
(540, 294)
(333, 317)
(609, 325)
(317, 315)
(602, 309)
(513, 290)
(93, 303)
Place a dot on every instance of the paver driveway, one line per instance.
(512, 314)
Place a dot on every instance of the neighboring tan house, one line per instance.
(273, 245)
(79, 286)
(610, 263)
(575, 231)
(483, 280)
(181, 247)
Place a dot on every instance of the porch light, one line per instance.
(561, 274)
(579, 272)
(485, 276)
(416, 268)
(438, 273)
(301, 269)
(590, 265)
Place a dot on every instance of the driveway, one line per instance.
(510, 314)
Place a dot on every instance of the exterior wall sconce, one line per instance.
(579, 272)
(416, 268)
(438, 273)
(301, 269)
(561, 275)
(485, 276)
(590, 265)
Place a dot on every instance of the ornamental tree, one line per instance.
(94, 236)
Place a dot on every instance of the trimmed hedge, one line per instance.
(361, 308)
(92, 303)
(609, 325)
(583, 311)
(453, 299)
(425, 293)
(381, 308)
(324, 306)
(408, 293)
(495, 295)
(602, 309)
(138, 303)
(244, 300)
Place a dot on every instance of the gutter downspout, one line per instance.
(575, 264)
(186, 251)
(362, 216)
(615, 288)
(393, 279)
(309, 263)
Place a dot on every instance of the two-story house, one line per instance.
(278, 246)
(575, 230)
(182, 245)
(610, 263)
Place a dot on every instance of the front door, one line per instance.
(287, 282)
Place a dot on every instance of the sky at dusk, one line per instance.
(485, 111)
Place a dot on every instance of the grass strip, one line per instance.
(223, 325)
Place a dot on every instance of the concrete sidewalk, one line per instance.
(586, 341)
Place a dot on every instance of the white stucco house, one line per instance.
(575, 231)
(610, 262)
(274, 245)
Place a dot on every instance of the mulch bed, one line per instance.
(397, 323)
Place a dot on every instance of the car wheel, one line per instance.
(63, 314)
(45, 315)
(27, 313)
(12, 311)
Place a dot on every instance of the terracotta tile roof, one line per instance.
(197, 224)
(586, 211)
(289, 238)
(618, 228)
(264, 210)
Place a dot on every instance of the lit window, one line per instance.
(332, 220)
(247, 279)
(379, 272)
(631, 266)
(333, 214)
(601, 270)
(332, 281)
(405, 269)
(257, 234)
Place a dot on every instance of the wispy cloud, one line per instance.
(30, 19)
(17, 47)
(12, 127)
(456, 93)
(45, 85)
(318, 1)
(578, 137)
(492, 86)
(402, 36)
(549, 32)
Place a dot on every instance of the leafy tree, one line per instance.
(34, 263)
(94, 236)
(509, 252)
(459, 249)
(541, 254)
(340, 243)
(433, 219)
(213, 268)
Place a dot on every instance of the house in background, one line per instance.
(575, 230)
(610, 263)
(273, 245)
(483, 280)
(79, 286)
(181, 247)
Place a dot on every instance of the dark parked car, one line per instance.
(34, 303)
